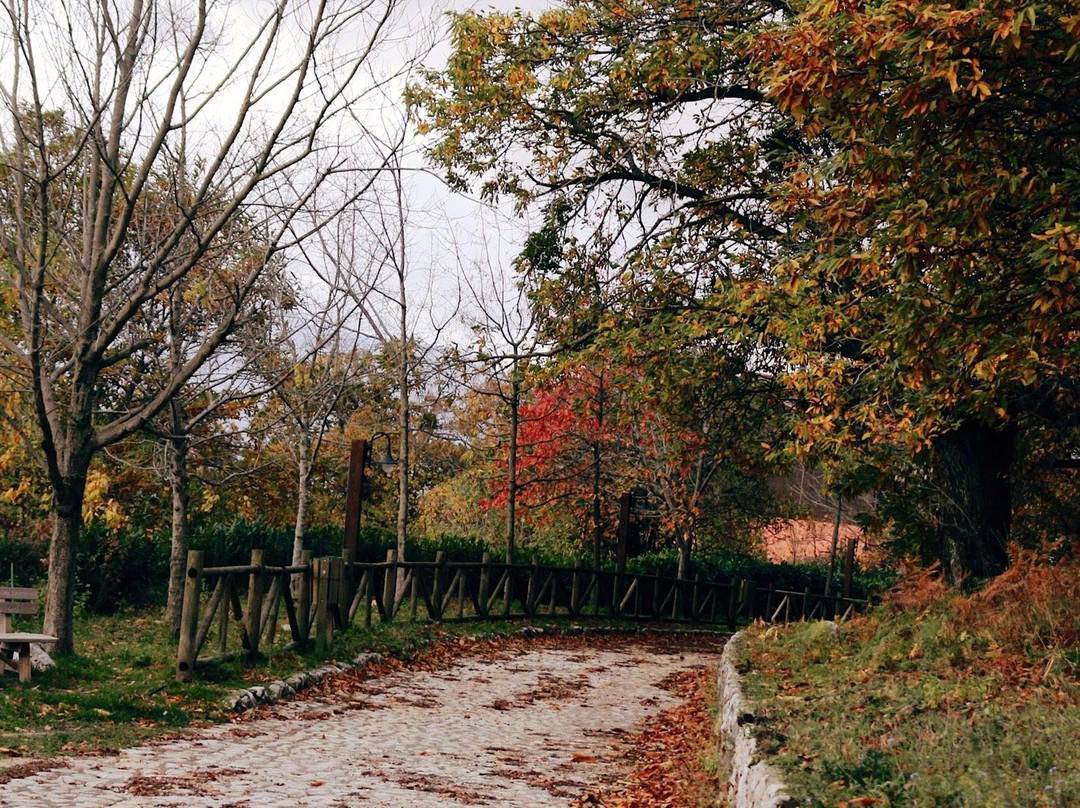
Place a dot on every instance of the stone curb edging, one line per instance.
(753, 783)
(252, 697)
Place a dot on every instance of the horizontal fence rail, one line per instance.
(242, 607)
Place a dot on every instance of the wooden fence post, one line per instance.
(223, 614)
(694, 600)
(189, 617)
(303, 604)
(461, 593)
(530, 589)
(369, 593)
(389, 592)
(485, 585)
(255, 602)
(414, 592)
(575, 589)
(348, 580)
(437, 586)
(324, 627)
(748, 599)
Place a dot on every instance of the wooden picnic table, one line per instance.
(15, 645)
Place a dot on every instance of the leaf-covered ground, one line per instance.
(932, 700)
(673, 763)
(600, 719)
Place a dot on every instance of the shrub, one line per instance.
(725, 566)
(23, 560)
(231, 544)
(1048, 586)
(120, 568)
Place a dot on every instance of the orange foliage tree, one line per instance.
(930, 295)
(869, 202)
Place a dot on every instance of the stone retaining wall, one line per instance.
(753, 783)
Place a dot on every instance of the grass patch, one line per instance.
(931, 700)
(116, 691)
(119, 688)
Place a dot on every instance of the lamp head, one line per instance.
(388, 463)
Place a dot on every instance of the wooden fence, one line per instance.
(243, 605)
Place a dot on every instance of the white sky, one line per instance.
(448, 234)
(452, 234)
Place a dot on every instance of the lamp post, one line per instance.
(359, 458)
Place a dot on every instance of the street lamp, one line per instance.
(387, 463)
(359, 458)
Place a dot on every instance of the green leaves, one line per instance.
(873, 202)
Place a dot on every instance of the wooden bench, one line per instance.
(15, 645)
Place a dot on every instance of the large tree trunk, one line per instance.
(60, 592)
(975, 461)
(180, 483)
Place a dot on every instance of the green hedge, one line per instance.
(27, 561)
(791, 577)
(128, 569)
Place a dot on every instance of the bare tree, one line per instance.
(143, 143)
(389, 317)
(307, 380)
(227, 380)
(507, 339)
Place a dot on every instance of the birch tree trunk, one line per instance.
(303, 497)
(180, 485)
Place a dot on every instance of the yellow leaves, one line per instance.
(521, 78)
(1059, 254)
(97, 504)
(246, 508)
(987, 369)
(210, 498)
(950, 75)
(17, 492)
(1012, 24)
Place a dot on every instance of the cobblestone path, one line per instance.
(527, 727)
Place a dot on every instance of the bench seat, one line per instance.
(17, 644)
